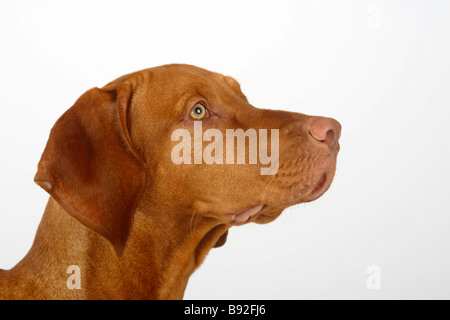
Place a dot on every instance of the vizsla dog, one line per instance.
(132, 222)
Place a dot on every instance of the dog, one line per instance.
(135, 206)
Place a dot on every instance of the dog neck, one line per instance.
(164, 249)
(162, 252)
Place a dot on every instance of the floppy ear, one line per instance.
(221, 241)
(90, 166)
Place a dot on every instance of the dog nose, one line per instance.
(326, 130)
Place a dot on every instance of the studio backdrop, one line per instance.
(380, 67)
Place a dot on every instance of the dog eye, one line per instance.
(198, 112)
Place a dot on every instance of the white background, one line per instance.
(382, 68)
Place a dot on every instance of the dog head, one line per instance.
(181, 138)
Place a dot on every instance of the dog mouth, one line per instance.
(320, 184)
(319, 189)
(253, 214)
(250, 214)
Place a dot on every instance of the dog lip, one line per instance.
(246, 214)
(320, 184)
(318, 190)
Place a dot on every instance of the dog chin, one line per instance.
(260, 214)
(264, 218)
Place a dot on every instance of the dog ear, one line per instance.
(90, 166)
(221, 241)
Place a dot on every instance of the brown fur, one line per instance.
(137, 224)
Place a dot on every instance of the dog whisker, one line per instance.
(265, 190)
(190, 223)
(196, 221)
